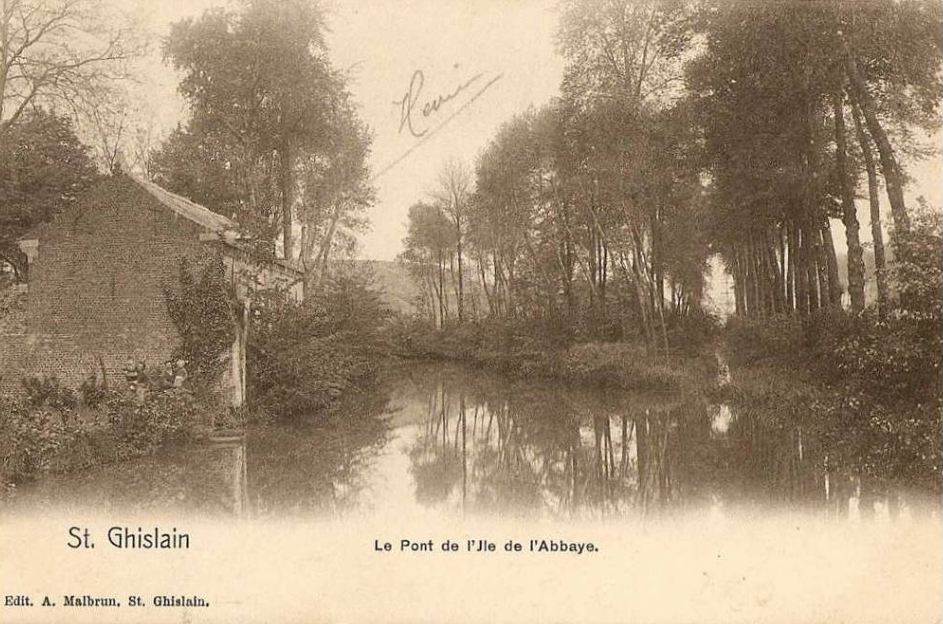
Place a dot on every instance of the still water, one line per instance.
(444, 441)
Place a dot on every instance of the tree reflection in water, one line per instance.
(490, 445)
(316, 468)
(452, 439)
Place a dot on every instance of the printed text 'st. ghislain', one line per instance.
(127, 538)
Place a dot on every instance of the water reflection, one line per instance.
(312, 468)
(205, 479)
(316, 468)
(488, 445)
(516, 448)
(445, 440)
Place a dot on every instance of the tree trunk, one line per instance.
(603, 277)
(877, 233)
(849, 212)
(567, 265)
(484, 285)
(498, 284)
(774, 268)
(287, 196)
(592, 269)
(820, 268)
(756, 279)
(737, 285)
(889, 165)
(802, 273)
(759, 273)
(452, 276)
(441, 264)
(831, 264)
(806, 286)
(458, 252)
(780, 235)
(640, 292)
(791, 266)
(749, 292)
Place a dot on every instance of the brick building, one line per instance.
(97, 280)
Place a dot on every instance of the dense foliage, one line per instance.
(872, 381)
(797, 101)
(303, 357)
(745, 130)
(51, 431)
(686, 129)
(43, 169)
(274, 138)
(201, 308)
(547, 348)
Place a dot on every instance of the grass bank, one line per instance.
(542, 350)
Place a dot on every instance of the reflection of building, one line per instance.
(98, 276)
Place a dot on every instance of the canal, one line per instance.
(447, 442)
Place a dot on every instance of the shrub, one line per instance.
(751, 340)
(40, 438)
(91, 391)
(48, 392)
(696, 331)
(303, 357)
(918, 269)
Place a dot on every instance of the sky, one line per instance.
(503, 50)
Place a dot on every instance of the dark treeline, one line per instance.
(686, 129)
(799, 102)
(273, 136)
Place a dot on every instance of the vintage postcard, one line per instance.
(471, 311)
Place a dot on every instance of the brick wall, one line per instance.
(42, 355)
(96, 287)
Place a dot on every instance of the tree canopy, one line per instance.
(274, 137)
(43, 170)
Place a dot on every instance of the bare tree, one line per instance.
(59, 54)
(451, 192)
(122, 128)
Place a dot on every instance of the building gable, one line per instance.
(99, 273)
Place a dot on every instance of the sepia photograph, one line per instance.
(471, 311)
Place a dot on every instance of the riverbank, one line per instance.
(625, 365)
(868, 387)
(59, 435)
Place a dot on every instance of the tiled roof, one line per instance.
(226, 229)
(185, 208)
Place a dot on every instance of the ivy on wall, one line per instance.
(202, 309)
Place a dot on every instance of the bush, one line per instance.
(48, 392)
(35, 439)
(694, 333)
(751, 340)
(303, 357)
(92, 392)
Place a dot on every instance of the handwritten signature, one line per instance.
(417, 118)
(410, 107)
